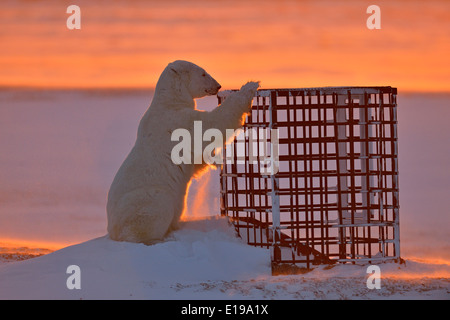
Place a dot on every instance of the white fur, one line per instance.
(147, 196)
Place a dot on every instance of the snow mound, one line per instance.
(204, 260)
(202, 250)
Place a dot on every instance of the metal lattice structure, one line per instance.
(323, 187)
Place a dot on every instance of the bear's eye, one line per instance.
(204, 75)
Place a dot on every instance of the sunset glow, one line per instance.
(29, 246)
(199, 207)
(280, 43)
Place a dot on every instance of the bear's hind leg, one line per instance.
(147, 227)
(151, 217)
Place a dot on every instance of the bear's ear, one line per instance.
(172, 68)
(180, 67)
(175, 76)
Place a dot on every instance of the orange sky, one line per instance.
(280, 43)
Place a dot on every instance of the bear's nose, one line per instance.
(218, 87)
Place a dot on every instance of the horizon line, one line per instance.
(124, 88)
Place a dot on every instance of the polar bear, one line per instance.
(147, 195)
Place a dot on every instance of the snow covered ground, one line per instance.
(205, 260)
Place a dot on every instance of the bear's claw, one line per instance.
(250, 86)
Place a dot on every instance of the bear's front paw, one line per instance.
(250, 87)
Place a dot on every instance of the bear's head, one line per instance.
(195, 80)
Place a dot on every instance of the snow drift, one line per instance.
(204, 260)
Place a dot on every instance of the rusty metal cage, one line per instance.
(313, 176)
